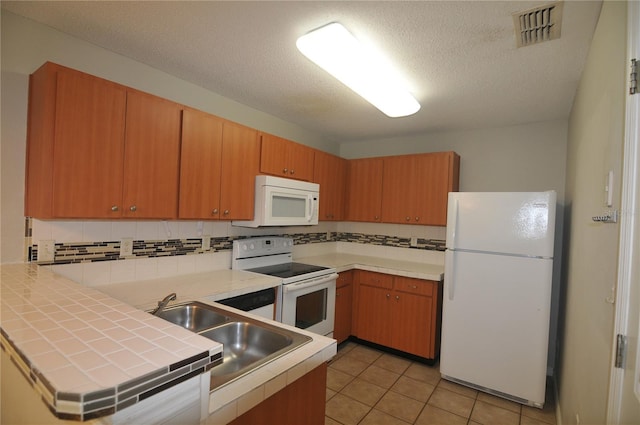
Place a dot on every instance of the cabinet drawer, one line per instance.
(379, 280)
(414, 286)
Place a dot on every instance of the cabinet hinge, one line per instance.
(621, 351)
(633, 81)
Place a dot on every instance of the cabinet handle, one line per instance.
(214, 212)
(285, 170)
(133, 208)
(226, 212)
(292, 172)
(375, 217)
(388, 295)
(417, 218)
(397, 298)
(414, 287)
(407, 218)
(114, 208)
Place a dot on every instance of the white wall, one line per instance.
(596, 130)
(528, 157)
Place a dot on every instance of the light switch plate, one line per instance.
(46, 250)
(414, 241)
(126, 247)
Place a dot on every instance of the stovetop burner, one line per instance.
(288, 270)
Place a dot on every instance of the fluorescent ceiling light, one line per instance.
(367, 73)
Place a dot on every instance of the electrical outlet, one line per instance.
(414, 241)
(126, 247)
(206, 243)
(328, 236)
(46, 250)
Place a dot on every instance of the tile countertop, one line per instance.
(235, 398)
(343, 262)
(212, 286)
(83, 347)
(88, 354)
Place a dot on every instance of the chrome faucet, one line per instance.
(162, 304)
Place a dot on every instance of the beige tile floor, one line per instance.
(370, 387)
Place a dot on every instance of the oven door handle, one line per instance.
(292, 287)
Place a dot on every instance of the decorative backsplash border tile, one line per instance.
(83, 252)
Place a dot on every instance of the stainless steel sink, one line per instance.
(247, 343)
(194, 316)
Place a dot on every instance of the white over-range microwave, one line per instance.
(284, 202)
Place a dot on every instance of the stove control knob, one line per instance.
(252, 246)
(244, 246)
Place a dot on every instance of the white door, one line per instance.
(624, 393)
(495, 322)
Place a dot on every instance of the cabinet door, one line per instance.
(330, 173)
(200, 165)
(240, 164)
(374, 315)
(152, 154)
(284, 158)
(400, 189)
(439, 174)
(412, 317)
(364, 190)
(342, 326)
(88, 147)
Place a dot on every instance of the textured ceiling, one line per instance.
(459, 57)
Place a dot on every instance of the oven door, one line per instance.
(311, 304)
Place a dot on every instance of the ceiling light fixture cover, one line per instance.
(370, 75)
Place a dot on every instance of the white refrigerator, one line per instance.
(497, 292)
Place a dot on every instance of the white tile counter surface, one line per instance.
(213, 286)
(235, 398)
(343, 262)
(88, 354)
(92, 351)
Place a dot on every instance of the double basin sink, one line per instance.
(247, 343)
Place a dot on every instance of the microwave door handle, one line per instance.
(311, 207)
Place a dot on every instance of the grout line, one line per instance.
(387, 390)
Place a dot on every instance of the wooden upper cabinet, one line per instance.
(330, 173)
(219, 162)
(240, 165)
(415, 187)
(152, 157)
(364, 190)
(75, 145)
(200, 165)
(96, 149)
(88, 147)
(284, 158)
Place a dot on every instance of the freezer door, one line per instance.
(520, 223)
(495, 322)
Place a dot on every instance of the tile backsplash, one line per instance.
(89, 251)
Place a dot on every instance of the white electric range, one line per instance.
(307, 295)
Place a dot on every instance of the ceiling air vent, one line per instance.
(539, 24)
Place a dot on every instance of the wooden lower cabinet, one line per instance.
(302, 402)
(344, 306)
(398, 312)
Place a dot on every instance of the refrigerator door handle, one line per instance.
(454, 224)
(448, 273)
